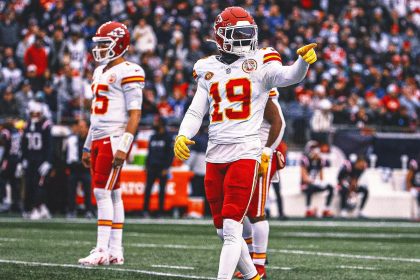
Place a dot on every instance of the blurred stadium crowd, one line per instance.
(367, 74)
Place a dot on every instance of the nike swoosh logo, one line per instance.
(107, 142)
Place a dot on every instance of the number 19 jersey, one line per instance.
(116, 91)
(236, 98)
(235, 95)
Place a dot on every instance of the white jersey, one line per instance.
(77, 52)
(116, 91)
(235, 96)
(265, 126)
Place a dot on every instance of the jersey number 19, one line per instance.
(244, 96)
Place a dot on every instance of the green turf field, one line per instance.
(186, 249)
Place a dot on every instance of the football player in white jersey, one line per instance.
(234, 88)
(256, 227)
(116, 109)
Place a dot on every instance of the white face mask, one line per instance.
(103, 45)
(239, 40)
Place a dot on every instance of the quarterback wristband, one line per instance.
(125, 142)
(87, 150)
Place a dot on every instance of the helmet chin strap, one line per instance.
(225, 57)
(108, 60)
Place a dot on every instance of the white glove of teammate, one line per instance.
(19, 170)
(24, 164)
(413, 192)
(44, 168)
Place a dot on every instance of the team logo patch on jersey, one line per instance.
(112, 78)
(249, 65)
(208, 76)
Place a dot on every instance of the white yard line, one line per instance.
(314, 234)
(340, 255)
(350, 235)
(356, 267)
(9, 239)
(155, 273)
(282, 251)
(303, 223)
(169, 246)
(172, 266)
(349, 224)
(279, 268)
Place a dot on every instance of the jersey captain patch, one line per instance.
(249, 65)
(112, 78)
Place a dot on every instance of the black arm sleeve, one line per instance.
(24, 146)
(47, 141)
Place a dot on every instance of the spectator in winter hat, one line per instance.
(335, 54)
(321, 122)
(37, 55)
(8, 105)
(11, 74)
(390, 101)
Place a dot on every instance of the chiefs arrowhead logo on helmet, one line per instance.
(235, 31)
(112, 40)
(117, 32)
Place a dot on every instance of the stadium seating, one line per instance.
(386, 198)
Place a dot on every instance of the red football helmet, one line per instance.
(112, 41)
(235, 31)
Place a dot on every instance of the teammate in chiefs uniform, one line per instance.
(234, 88)
(256, 227)
(117, 87)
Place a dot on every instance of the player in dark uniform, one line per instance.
(413, 181)
(36, 161)
(311, 182)
(10, 140)
(349, 188)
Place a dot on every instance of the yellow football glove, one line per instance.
(307, 52)
(180, 148)
(265, 161)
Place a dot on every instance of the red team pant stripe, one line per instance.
(253, 189)
(113, 178)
